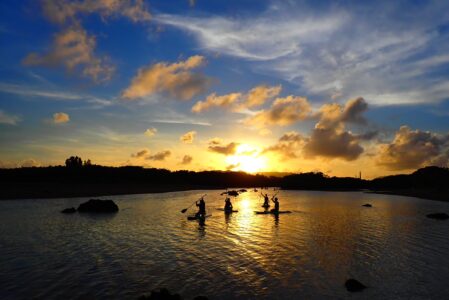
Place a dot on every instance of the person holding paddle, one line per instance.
(276, 205)
(201, 208)
(266, 202)
(228, 205)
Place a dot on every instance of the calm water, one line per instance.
(393, 248)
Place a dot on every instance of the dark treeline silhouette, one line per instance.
(78, 178)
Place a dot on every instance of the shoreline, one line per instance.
(15, 191)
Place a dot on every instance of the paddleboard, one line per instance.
(192, 218)
(228, 212)
(272, 212)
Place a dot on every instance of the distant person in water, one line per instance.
(228, 205)
(266, 202)
(201, 208)
(276, 205)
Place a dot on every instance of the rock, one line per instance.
(70, 210)
(98, 206)
(242, 190)
(367, 205)
(438, 216)
(231, 193)
(353, 285)
(162, 294)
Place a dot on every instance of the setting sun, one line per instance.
(247, 158)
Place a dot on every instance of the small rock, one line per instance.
(353, 285)
(162, 294)
(98, 206)
(438, 216)
(70, 210)
(367, 205)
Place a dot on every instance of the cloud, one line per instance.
(8, 119)
(238, 101)
(283, 111)
(150, 132)
(188, 137)
(331, 143)
(265, 132)
(333, 51)
(187, 159)
(62, 11)
(411, 149)
(330, 139)
(27, 91)
(74, 49)
(216, 101)
(334, 114)
(176, 79)
(288, 145)
(162, 155)
(30, 163)
(216, 146)
(264, 38)
(141, 153)
(60, 118)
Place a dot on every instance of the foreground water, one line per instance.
(392, 247)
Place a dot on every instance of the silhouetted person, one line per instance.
(228, 205)
(266, 202)
(276, 205)
(201, 208)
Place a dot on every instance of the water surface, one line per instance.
(392, 247)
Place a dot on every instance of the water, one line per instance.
(393, 248)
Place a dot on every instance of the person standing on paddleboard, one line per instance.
(276, 205)
(228, 205)
(201, 208)
(266, 202)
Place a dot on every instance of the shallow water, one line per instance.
(392, 247)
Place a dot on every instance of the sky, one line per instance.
(340, 87)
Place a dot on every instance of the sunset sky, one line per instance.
(287, 86)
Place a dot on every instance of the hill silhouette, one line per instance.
(79, 178)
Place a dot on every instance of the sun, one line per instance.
(247, 158)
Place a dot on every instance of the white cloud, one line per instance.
(8, 119)
(376, 51)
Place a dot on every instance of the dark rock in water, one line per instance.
(438, 216)
(70, 210)
(367, 205)
(98, 206)
(231, 193)
(243, 191)
(353, 285)
(162, 294)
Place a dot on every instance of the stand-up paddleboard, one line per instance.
(269, 212)
(227, 211)
(194, 217)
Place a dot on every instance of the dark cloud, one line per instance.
(162, 155)
(228, 149)
(330, 143)
(187, 159)
(141, 153)
(413, 149)
(288, 145)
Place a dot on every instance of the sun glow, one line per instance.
(247, 159)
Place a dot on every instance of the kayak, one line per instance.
(226, 211)
(272, 212)
(194, 217)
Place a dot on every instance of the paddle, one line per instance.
(185, 209)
